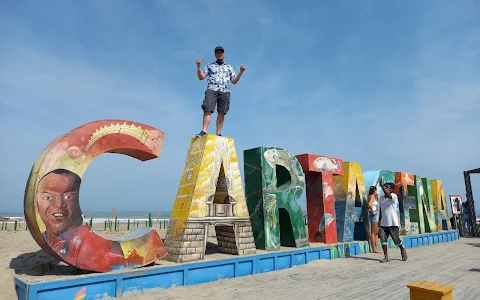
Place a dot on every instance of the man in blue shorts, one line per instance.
(389, 222)
(220, 74)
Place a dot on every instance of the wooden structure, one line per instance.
(425, 290)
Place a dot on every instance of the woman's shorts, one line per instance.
(374, 218)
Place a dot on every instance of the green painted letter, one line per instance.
(274, 181)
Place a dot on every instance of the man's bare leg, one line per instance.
(206, 120)
(220, 119)
(385, 252)
(403, 251)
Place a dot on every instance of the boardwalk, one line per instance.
(363, 277)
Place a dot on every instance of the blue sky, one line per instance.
(389, 85)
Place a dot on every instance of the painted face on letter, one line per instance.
(57, 202)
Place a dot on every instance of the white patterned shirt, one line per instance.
(219, 76)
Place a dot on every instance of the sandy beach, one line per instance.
(24, 258)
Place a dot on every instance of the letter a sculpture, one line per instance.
(210, 194)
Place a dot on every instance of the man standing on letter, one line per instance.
(220, 74)
(389, 223)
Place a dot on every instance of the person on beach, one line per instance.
(374, 207)
(219, 74)
(389, 223)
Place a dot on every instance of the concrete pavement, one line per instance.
(360, 277)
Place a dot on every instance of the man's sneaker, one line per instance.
(219, 134)
(202, 133)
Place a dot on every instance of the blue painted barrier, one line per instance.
(138, 281)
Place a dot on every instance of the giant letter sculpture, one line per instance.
(440, 206)
(428, 206)
(210, 193)
(52, 208)
(418, 215)
(407, 201)
(351, 204)
(273, 183)
(319, 171)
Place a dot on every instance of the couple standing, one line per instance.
(384, 210)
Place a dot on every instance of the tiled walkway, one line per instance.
(361, 277)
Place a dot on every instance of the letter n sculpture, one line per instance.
(210, 194)
(274, 181)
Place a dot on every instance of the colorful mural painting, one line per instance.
(274, 181)
(210, 193)
(371, 179)
(456, 204)
(351, 206)
(406, 201)
(428, 206)
(417, 215)
(442, 221)
(319, 171)
(81, 294)
(266, 215)
(52, 206)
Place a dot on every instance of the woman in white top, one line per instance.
(374, 207)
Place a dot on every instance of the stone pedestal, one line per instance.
(234, 237)
(189, 246)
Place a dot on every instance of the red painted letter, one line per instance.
(319, 171)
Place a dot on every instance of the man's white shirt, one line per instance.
(389, 211)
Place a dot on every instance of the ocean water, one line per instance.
(124, 216)
(101, 216)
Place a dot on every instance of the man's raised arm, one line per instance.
(200, 74)
(235, 79)
(387, 193)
